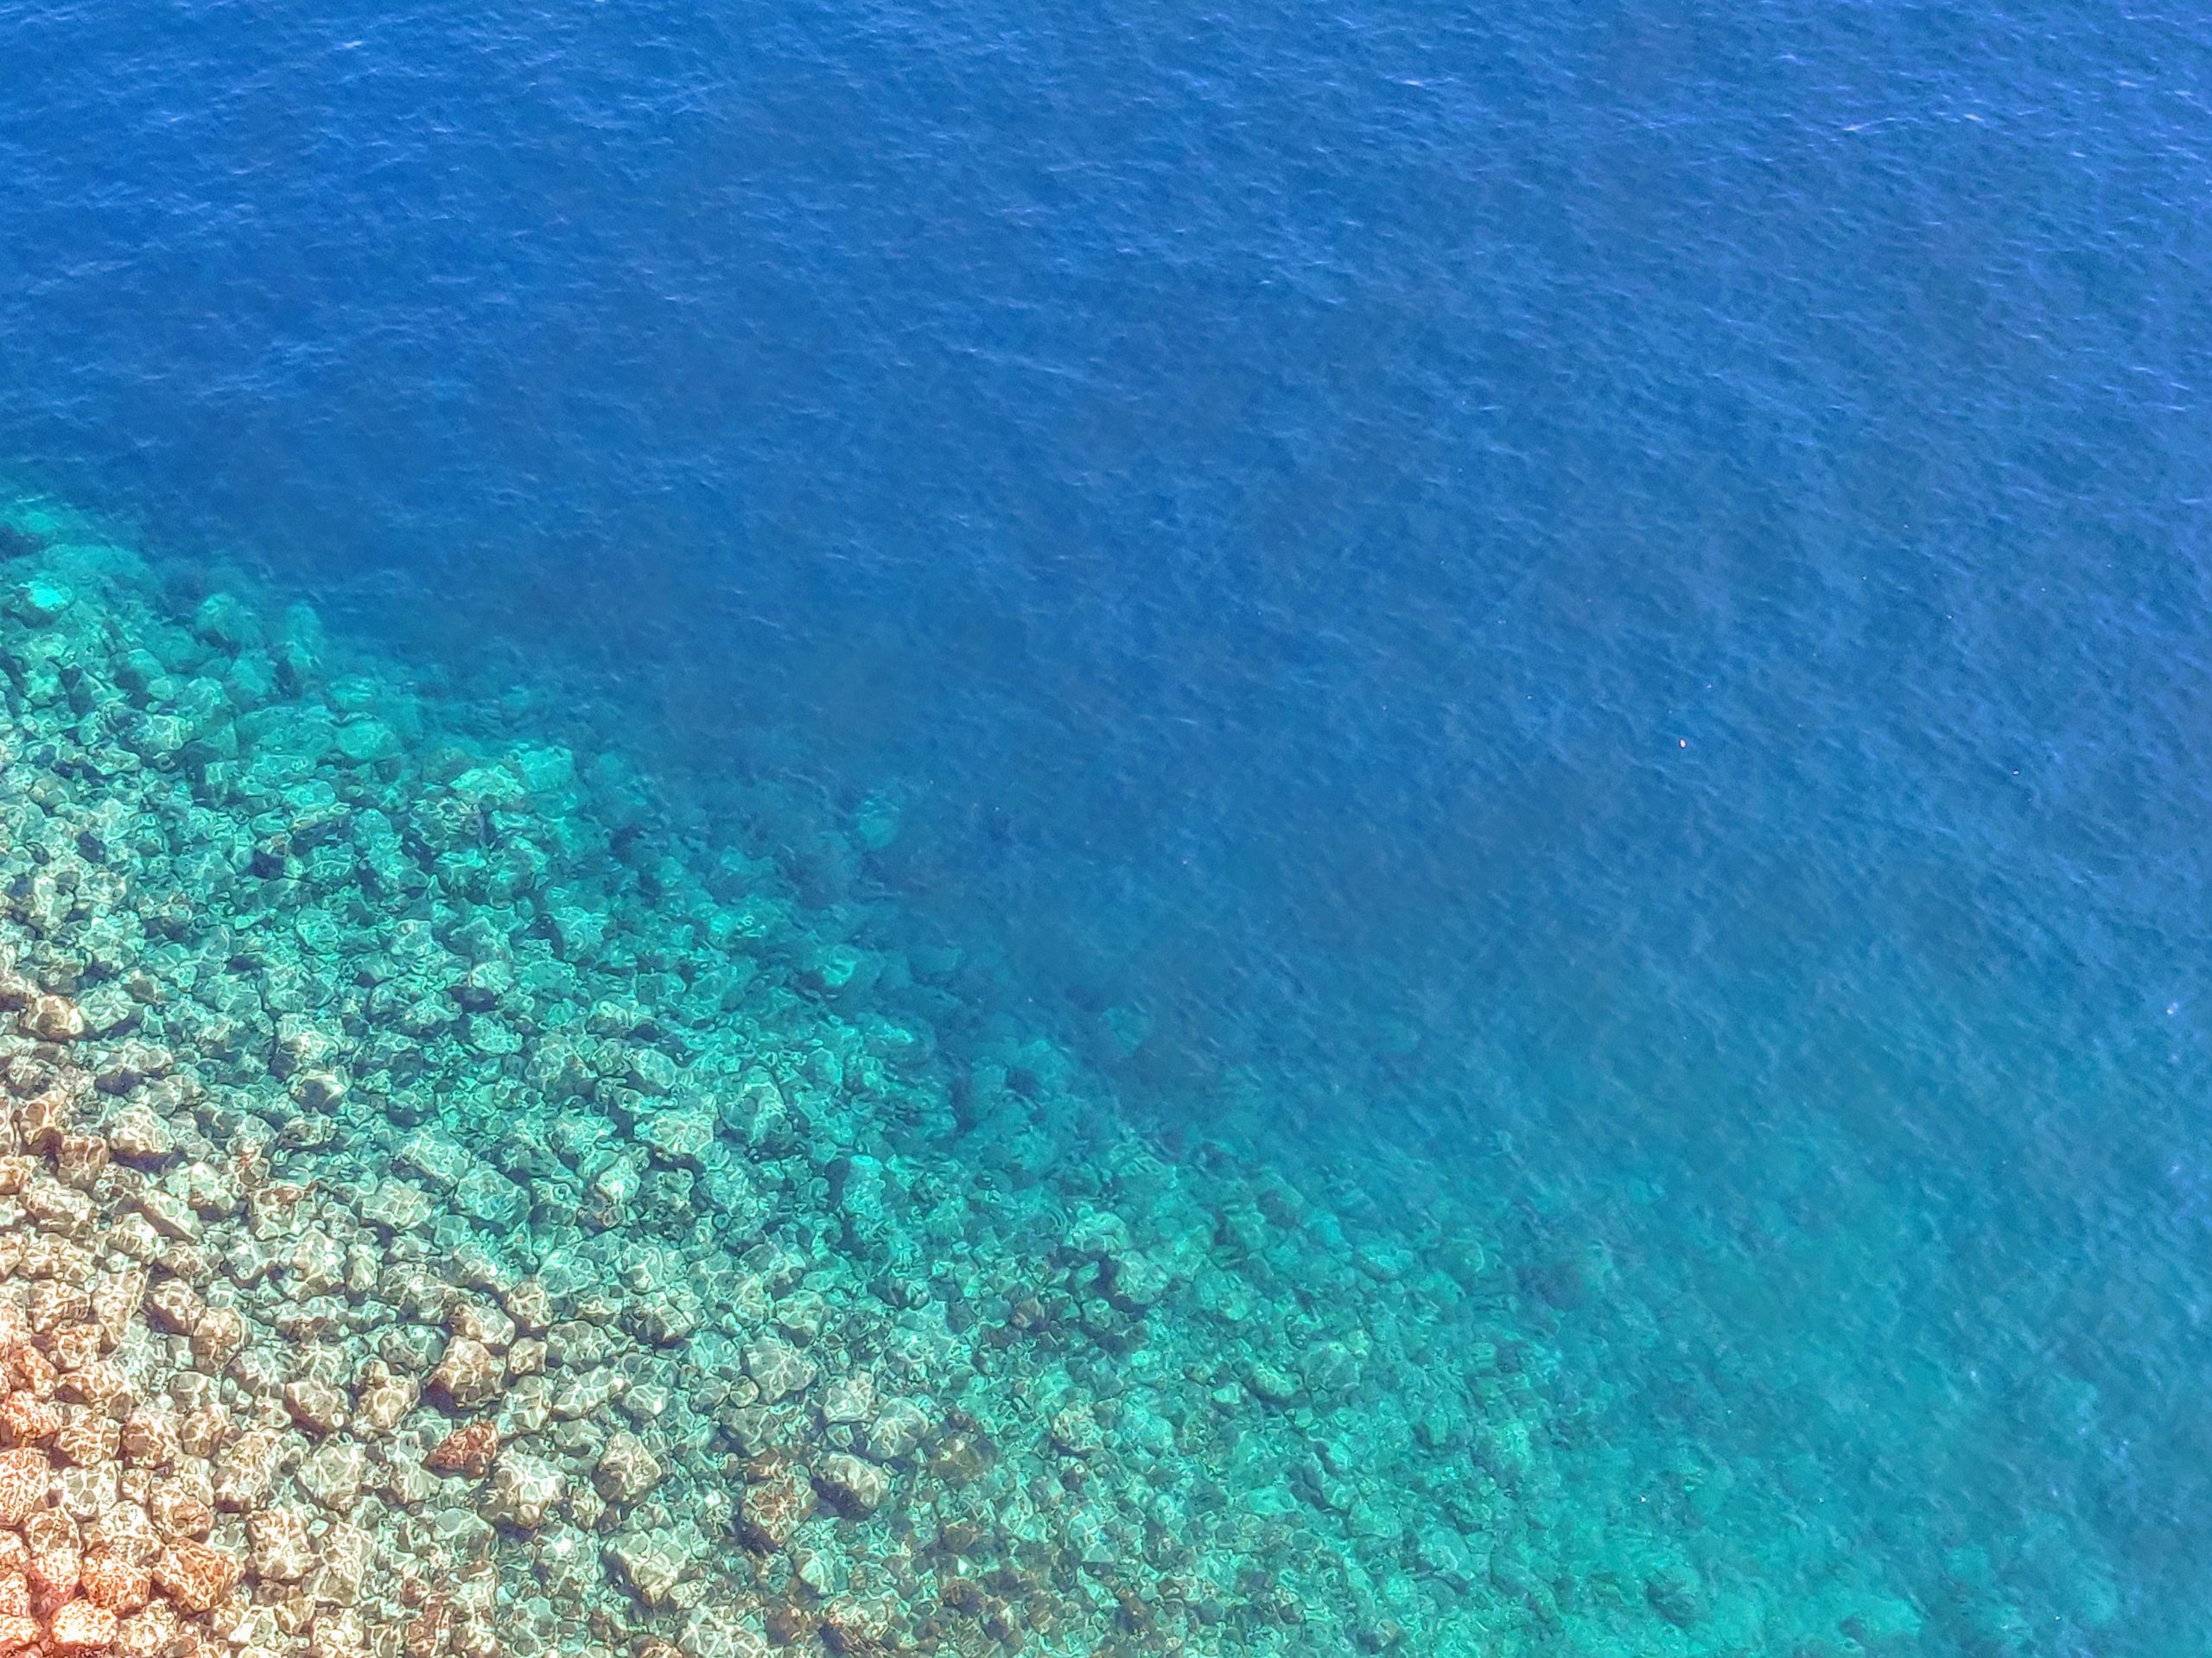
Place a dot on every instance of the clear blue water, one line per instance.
(1608, 605)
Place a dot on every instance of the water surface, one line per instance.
(1602, 609)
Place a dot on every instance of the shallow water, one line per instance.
(1588, 631)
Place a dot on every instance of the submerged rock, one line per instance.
(778, 1369)
(468, 1374)
(467, 1451)
(856, 1486)
(626, 1471)
(524, 1489)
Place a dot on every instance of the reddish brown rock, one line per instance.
(56, 1560)
(776, 1500)
(83, 1626)
(467, 1451)
(28, 1418)
(428, 1633)
(25, 1476)
(194, 1576)
(110, 1580)
(79, 1159)
(31, 1372)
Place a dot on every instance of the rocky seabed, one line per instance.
(453, 1202)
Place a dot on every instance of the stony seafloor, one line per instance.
(457, 1200)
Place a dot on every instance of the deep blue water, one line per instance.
(1607, 601)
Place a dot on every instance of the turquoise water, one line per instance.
(1563, 656)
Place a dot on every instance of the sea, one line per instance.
(1597, 616)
